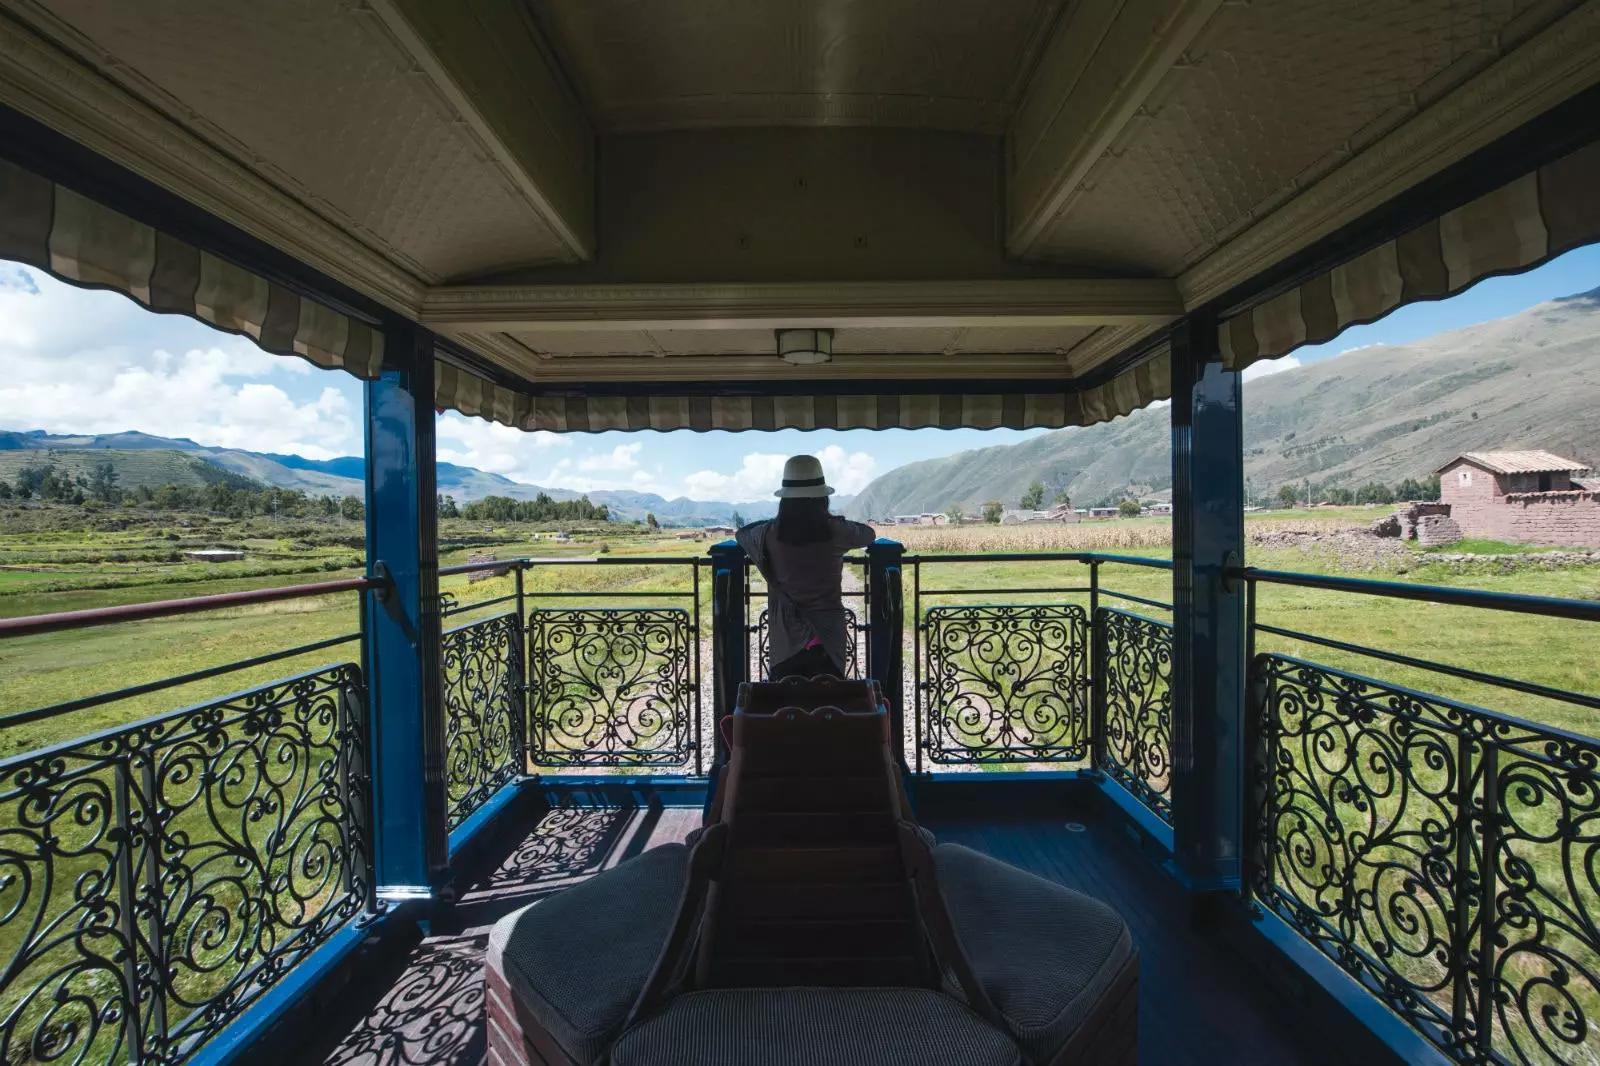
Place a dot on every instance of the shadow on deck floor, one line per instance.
(424, 1007)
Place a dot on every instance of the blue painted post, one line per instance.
(1208, 667)
(409, 840)
(730, 636)
(886, 632)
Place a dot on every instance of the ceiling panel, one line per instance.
(678, 64)
(317, 97)
(1270, 98)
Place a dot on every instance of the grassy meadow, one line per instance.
(44, 570)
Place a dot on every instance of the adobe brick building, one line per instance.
(1523, 497)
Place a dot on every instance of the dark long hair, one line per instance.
(803, 519)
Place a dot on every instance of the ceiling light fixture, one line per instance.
(805, 347)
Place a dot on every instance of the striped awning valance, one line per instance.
(470, 394)
(1518, 226)
(47, 225)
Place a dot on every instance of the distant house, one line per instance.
(720, 531)
(214, 555)
(1021, 516)
(1529, 497)
(1102, 512)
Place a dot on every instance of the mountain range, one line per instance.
(145, 459)
(1378, 413)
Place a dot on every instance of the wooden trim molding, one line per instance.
(522, 113)
(1105, 344)
(1552, 67)
(41, 81)
(1097, 72)
(1034, 302)
(761, 367)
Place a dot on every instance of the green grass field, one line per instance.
(47, 569)
(46, 670)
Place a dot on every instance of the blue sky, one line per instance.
(84, 361)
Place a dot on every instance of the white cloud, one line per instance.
(516, 453)
(1269, 366)
(761, 472)
(79, 361)
(757, 476)
(622, 459)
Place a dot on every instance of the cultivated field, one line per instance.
(1106, 535)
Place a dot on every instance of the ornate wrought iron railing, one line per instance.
(614, 687)
(1133, 696)
(1445, 856)
(1006, 683)
(1044, 678)
(485, 692)
(159, 877)
(485, 712)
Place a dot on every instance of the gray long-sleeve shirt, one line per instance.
(808, 576)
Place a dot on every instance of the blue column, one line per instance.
(886, 632)
(730, 636)
(410, 846)
(1208, 667)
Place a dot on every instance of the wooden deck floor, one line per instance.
(1198, 1005)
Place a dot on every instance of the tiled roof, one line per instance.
(1516, 462)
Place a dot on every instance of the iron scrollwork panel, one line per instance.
(611, 687)
(762, 650)
(1006, 684)
(1445, 856)
(156, 879)
(483, 692)
(1541, 825)
(1137, 663)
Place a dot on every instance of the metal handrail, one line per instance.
(1041, 557)
(490, 564)
(1546, 606)
(138, 612)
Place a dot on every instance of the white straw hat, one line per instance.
(802, 476)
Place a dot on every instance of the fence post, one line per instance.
(1208, 667)
(886, 632)
(730, 639)
(405, 687)
(525, 679)
(1097, 673)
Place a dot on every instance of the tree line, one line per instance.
(1404, 491)
(539, 509)
(231, 494)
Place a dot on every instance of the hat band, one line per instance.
(802, 482)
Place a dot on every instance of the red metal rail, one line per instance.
(139, 612)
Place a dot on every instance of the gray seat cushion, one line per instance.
(1044, 953)
(575, 962)
(815, 1027)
